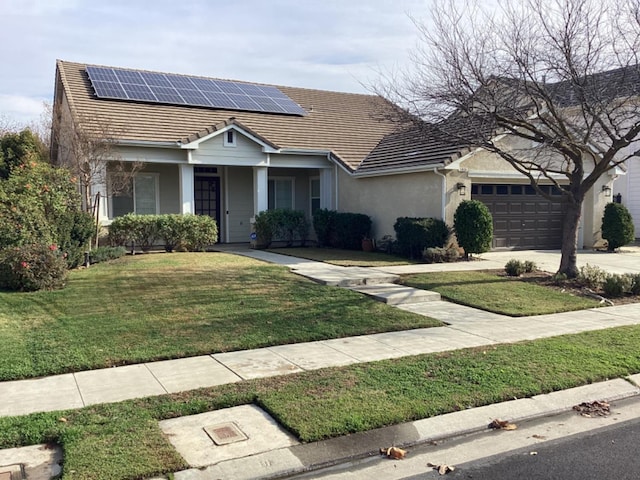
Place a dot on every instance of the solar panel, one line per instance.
(124, 84)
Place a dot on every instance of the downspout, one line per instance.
(444, 193)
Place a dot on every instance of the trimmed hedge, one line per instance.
(104, 254)
(281, 224)
(188, 232)
(617, 226)
(414, 235)
(341, 229)
(473, 225)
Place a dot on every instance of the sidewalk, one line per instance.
(465, 327)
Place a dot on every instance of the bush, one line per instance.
(616, 285)
(591, 276)
(200, 232)
(323, 223)
(74, 231)
(514, 268)
(473, 225)
(441, 254)
(635, 283)
(191, 232)
(617, 226)
(349, 229)
(32, 267)
(414, 235)
(281, 224)
(104, 254)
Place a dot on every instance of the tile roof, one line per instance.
(347, 124)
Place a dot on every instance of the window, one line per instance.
(229, 138)
(281, 193)
(142, 197)
(314, 188)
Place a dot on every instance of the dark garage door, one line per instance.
(521, 218)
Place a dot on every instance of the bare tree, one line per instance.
(550, 86)
(88, 147)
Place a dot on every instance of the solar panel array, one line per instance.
(123, 84)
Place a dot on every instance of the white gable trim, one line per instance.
(196, 143)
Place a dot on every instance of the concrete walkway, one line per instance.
(466, 327)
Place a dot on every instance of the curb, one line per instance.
(303, 458)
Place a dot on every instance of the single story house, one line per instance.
(232, 149)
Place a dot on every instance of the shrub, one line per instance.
(121, 230)
(104, 254)
(440, 254)
(323, 223)
(32, 267)
(473, 225)
(281, 224)
(265, 228)
(617, 226)
(349, 229)
(74, 231)
(200, 232)
(529, 266)
(416, 234)
(171, 230)
(514, 268)
(634, 278)
(616, 285)
(591, 276)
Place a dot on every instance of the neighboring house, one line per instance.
(260, 147)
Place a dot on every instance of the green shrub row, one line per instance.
(341, 229)
(281, 224)
(185, 232)
(441, 254)
(414, 235)
(612, 284)
(32, 267)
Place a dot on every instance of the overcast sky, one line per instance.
(325, 44)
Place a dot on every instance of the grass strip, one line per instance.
(161, 306)
(122, 440)
(499, 294)
(345, 258)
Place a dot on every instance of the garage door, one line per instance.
(521, 218)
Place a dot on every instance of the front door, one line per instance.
(207, 197)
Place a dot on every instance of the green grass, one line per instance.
(160, 306)
(345, 258)
(123, 440)
(498, 294)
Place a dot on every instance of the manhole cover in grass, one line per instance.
(224, 433)
(11, 472)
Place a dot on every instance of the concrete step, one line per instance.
(345, 276)
(393, 294)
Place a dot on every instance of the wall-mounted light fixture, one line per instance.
(462, 188)
(606, 189)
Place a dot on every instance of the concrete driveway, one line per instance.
(627, 260)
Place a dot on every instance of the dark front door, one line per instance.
(207, 197)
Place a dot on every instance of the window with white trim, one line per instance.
(314, 189)
(142, 198)
(281, 193)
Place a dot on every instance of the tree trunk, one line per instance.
(569, 259)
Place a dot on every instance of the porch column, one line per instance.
(326, 188)
(260, 189)
(186, 188)
(100, 187)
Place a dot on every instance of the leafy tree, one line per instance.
(549, 86)
(473, 225)
(617, 226)
(19, 148)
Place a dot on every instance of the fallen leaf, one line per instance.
(539, 437)
(393, 452)
(497, 424)
(533, 453)
(442, 469)
(63, 420)
(591, 409)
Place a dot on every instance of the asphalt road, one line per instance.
(607, 453)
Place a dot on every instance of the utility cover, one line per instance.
(224, 433)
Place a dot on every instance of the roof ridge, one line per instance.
(83, 64)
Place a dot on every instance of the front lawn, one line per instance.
(123, 440)
(499, 294)
(345, 258)
(160, 306)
